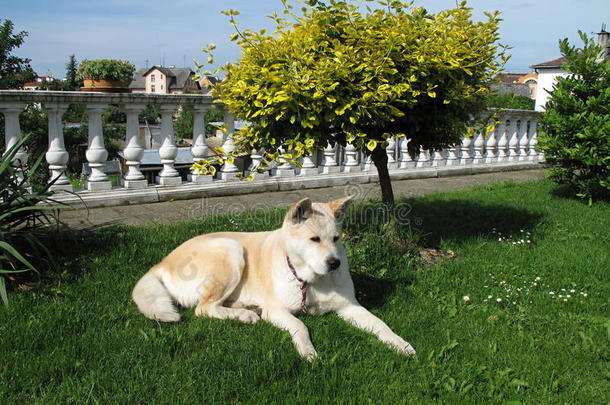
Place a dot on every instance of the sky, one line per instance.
(153, 32)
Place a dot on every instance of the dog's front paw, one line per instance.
(402, 346)
(310, 356)
(308, 352)
(248, 316)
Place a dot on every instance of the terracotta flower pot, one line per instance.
(104, 86)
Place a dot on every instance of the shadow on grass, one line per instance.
(458, 220)
(372, 291)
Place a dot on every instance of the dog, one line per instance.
(301, 267)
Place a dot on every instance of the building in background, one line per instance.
(164, 80)
(548, 72)
(519, 84)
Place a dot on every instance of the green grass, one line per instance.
(79, 338)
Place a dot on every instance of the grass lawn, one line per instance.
(536, 327)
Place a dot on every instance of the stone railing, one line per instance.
(512, 146)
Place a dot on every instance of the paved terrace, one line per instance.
(181, 210)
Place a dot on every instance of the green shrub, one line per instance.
(575, 129)
(510, 101)
(21, 216)
(113, 69)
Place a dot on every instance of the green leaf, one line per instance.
(371, 145)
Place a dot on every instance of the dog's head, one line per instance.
(312, 235)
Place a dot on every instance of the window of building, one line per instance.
(152, 88)
(152, 78)
(161, 87)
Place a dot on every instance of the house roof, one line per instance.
(138, 81)
(552, 64)
(178, 77)
(509, 77)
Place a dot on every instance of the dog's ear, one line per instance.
(300, 211)
(339, 206)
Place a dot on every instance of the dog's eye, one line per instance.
(336, 238)
(315, 239)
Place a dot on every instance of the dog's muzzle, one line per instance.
(333, 263)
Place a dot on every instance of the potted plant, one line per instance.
(106, 75)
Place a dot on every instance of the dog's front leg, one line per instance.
(297, 329)
(360, 317)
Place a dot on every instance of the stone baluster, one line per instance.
(308, 166)
(329, 163)
(57, 155)
(523, 141)
(284, 168)
(404, 159)
(490, 147)
(96, 152)
(465, 155)
(133, 152)
(168, 151)
(532, 153)
(423, 158)
(199, 149)
(390, 150)
(477, 146)
(513, 140)
(257, 158)
(502, 142)
(351, 162)
(452, 156)
(367, 164)
(12, 136)
(229, 170)
(437, 159)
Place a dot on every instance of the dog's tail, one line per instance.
(153, 299)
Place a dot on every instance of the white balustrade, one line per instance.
(502, 146)
(490, 147)
(452, 156)
(57, 155)
(404, 159)
(390, 150)
(133, 152)
(523, 141)
(229, 171)
(423, 158)
(284, 168)
(477, 146)
(199, 149)
(12, 133)
(168, 151)
(351, 162)
(96, 152)
(329, 163)
(308, 166)
(512, 144)
(465, 155)
(532, 154)
(513, 140)
(438, 158)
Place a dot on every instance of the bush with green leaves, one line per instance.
(336, 73)
(575, 128)
(21, 215)
(112, 69)
(510, 101)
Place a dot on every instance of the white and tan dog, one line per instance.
(301, 266)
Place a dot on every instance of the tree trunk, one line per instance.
(380, 159)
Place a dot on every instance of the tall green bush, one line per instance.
(575, 129)
(21, 215)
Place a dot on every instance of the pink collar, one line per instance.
(303, 285)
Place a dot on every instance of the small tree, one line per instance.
(71, 74)
(336, 74)
(14, 71)
(575, 129)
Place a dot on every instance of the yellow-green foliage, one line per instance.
(341, 72)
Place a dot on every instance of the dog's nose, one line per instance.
(333, 263)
